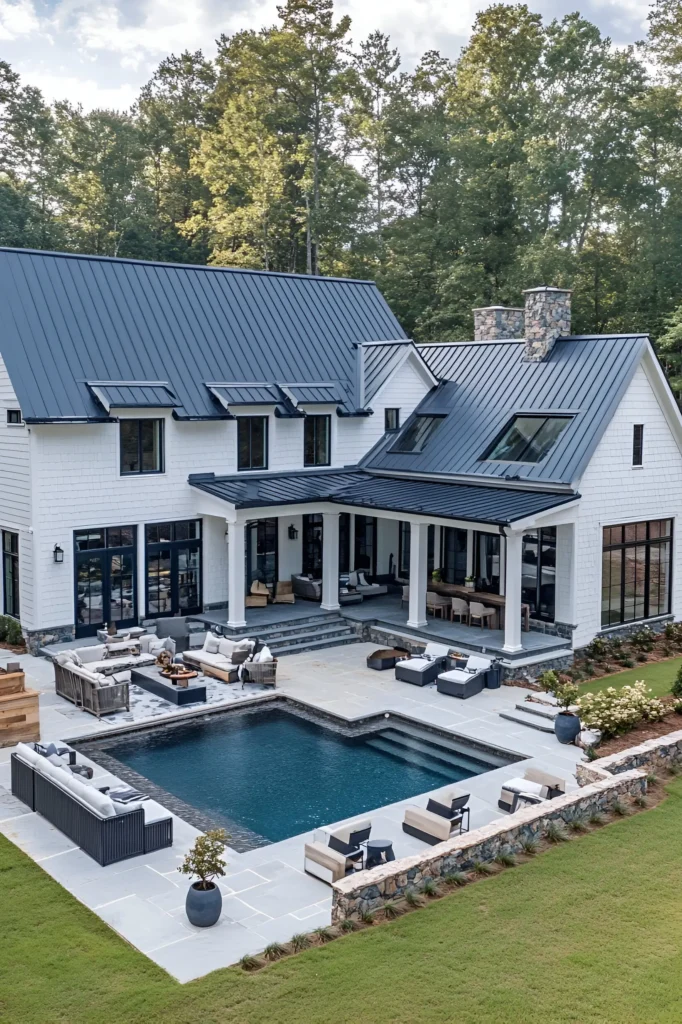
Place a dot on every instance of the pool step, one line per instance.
(533, 721)
(429, 754)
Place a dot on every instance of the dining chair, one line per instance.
(460, 608)
(480, 612)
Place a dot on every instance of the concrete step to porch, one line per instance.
(306, 644)
(326, 632)
(282, 630)
(532, 721)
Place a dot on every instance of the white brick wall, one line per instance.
(613, 492)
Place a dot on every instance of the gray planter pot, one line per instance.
(203, 906)
(566, 727)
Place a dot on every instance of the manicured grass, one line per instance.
(658, 675)
(590, 931)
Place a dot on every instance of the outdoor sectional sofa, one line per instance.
(107, 831)
(89, 679)
(217, 652)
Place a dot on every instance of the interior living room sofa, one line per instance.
(106, 830)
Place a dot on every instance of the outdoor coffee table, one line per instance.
(379, 851)
(386, 658)
(149, 678)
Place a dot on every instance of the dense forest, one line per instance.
(541, 154)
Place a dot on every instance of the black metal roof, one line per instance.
(69, 319)
(491, 505)
(490, 382)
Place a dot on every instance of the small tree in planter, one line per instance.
(436, 576)
(205, 861)
(566, 723)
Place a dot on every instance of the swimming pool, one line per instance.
(277, 773)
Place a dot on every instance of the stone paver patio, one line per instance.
(267, 896)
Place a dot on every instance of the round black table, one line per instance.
(379, 851)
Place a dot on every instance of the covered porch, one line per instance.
(516, 546)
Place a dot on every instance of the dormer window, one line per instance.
(416, 435)
(528, 439)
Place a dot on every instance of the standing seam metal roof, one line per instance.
(491, 383)
(69, 319)
(498, 506)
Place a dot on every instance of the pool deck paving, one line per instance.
(267, 895)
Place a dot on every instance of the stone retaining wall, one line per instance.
(659, 753)
(370, 890)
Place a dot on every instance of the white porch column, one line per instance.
(512, 610)
(419, 536)
(141, 570)
(436, 547)
(236, 537)
(330, 561)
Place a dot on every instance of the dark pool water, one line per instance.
(279, 775)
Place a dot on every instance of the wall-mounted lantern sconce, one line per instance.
(293, 532)
(58, 554)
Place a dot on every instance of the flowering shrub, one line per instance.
(549, 680)
(617, 711)
(643, 640)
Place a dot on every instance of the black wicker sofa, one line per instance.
(107, 831)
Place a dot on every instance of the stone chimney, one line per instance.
(547, 317)
(494, 323)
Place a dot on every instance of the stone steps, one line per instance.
(538, 722)
(326, 631)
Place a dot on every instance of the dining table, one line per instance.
(496, 601)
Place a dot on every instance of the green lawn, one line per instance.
(589, 932)
(658, 675)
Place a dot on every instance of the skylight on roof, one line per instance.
(416, 434)
(528, 439)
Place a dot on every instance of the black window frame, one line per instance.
(615, 539)
(10, 559)
(103, 544)
(638, 444)
(388, 429)
(365, 548)
(161, 453)
(173, 542)
(11, 413)
(541, 545)
(250, 420)
(315, 421)
(543, 420)
(418, 432)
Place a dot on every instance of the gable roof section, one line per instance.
(379, 363)
(492, 505)
(70, 319)
(491, 383)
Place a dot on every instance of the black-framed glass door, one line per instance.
(105, 562)
(366, 543)
(10, 567)
(173, 567)
(453, 554)
(538, 579)
(487, 562)
(311, 561)
(261, 552)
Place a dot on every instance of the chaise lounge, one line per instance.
(424, 667)
(106, 830)
(467, 680)
(533, 788)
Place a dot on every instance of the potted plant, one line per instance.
(204, 899)
(470, 582)
(436, 576)
(566, 723)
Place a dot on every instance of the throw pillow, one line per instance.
(363, 581)
(76, 659)
(353, 579)
(211, 644)
(265, 655)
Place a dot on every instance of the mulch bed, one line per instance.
(642, 733)
(14, 648)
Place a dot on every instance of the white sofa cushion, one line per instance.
(87, 655)
(211, 643)
(226, 646)
(154, 812)
(28, 754)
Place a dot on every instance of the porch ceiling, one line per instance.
(491, 505)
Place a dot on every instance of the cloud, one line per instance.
(100, 52)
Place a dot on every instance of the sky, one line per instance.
(100, 52)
